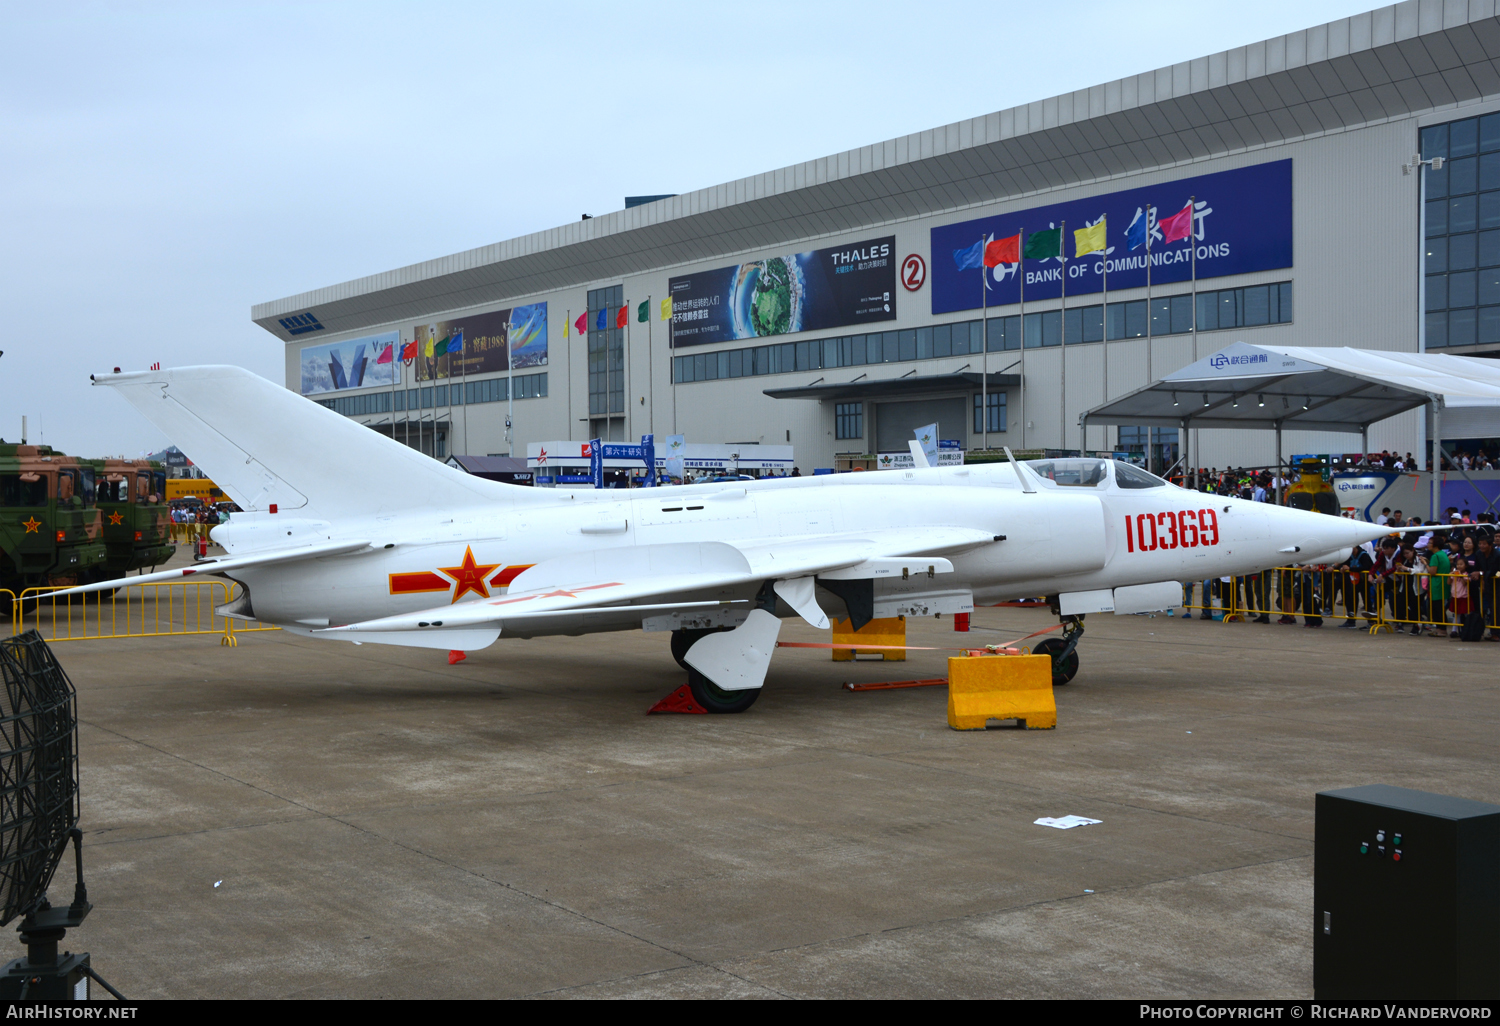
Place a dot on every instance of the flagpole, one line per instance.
(984, 367)
(395, 362)
(1150, 345)
(1105, 325)
(510, 401)
(1021, 274)
(1193, 241)
(625, 345)
(1062, 233)
(463, 364)
(568, 352)
(1149, 311)
(650, 374)
(672, 363)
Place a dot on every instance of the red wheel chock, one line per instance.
(455, 656)
(679, 701)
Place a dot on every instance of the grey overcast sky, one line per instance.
(167, 165)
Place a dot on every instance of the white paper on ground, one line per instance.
(1065, 822)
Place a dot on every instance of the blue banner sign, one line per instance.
(823, 288)
(1241, 222)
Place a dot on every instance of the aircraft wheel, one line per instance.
(715, 699)
(1063, 671)
(685, 639)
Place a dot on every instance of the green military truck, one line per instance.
(50, 531)
(136, 523)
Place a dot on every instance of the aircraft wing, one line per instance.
(219, 566)
(645, 577)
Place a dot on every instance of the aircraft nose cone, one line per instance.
(1316, 534)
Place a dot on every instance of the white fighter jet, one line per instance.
(351, 536)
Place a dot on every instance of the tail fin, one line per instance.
(263, 444)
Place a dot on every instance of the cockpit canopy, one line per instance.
(1078, 472)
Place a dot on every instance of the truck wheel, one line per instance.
(1064, 670)
(715, 699)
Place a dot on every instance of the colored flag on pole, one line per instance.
(643, 312)
(1136, 233)
(1003, 251)
(387, 354)
(427, 347)
(622, 316)
(409, 351)
(971, 257)
(600, 324)
(582, 324)
(1089, 240)
(666, 309)
(1041, 245)
(1179, 225)
(456, 343)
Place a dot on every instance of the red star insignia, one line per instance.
(117, 518)
(469, 576)
(31, 525)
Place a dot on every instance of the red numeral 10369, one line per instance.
(1187, 529)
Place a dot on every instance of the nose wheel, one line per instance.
(1063, 650)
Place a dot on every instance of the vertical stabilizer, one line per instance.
(265, 445)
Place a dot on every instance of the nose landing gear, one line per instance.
(1063, 650)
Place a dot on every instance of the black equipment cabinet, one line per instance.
(1406, 888)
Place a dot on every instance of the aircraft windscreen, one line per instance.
(1072, 473)
(1128, 476)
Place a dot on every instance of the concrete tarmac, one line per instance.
(313, 819)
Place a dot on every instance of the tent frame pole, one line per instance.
(1280, 476)
(1434, 407)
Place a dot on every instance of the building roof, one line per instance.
(893, 388)
(1323, 389)
(1372, 67)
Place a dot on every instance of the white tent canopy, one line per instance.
(1314, 389)
(1276, 388)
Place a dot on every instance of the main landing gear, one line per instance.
(708, 694)
(1063, 650)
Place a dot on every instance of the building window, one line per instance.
(1461, 253)
(1218, 309)
(1156, 447)
(997, 412)
(606, 352)
(849, 420)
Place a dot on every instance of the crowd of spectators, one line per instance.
(1424, 583)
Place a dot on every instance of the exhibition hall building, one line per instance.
(998, 277)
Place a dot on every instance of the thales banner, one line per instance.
(335, 366)
(1241, 222)
(490, 342)
(826, 288)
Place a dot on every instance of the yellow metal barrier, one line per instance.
(1386, 602)
(131, 611)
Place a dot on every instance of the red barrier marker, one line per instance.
(455, 656)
